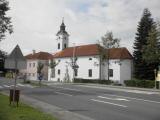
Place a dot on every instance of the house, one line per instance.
(32, 63)
(87, 62)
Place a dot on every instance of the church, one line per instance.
(83, 62)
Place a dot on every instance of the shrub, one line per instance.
(140, 83)
(80, 80)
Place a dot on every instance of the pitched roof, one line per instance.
(93, 49)
(39, 56)
(119, 53)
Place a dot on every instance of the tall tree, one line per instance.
(39, 71)
(107, 42)
(141, 70)
(151, 52)
(52, 65)
(5, 21)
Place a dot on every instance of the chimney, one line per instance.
(34, 51)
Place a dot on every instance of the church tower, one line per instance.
(62, 38)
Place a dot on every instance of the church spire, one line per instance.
(62, 27)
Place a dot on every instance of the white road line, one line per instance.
(63, 93)
(6, 85)
(135, 98)
(140, 92)
(68, 88)
(119, 99)
(1, 87)
(108, 103)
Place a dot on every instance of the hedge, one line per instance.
(79, 80)
(140, 83)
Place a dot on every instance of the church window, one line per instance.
(76, 72)
(58, 45)
(59, 72)
(90, 72)
(65, 45)
(110, 72)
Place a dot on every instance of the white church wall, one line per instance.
(84, 63)
(125, 70)
(114, 65)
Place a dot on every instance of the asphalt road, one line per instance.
(98, 103)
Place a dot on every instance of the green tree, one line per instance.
(5, 21)
(52, 65)
(39, 71)
(107, 41)
(141, 68)
(151, 52)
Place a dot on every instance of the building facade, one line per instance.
(87, 60)
(33, 61)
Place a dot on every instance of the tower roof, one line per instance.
(62, 28)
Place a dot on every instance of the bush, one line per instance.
(79, 80)
(27, 82)
(140, 83)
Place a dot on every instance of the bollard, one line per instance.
(14, 98)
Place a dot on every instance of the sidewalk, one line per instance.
(50, 83)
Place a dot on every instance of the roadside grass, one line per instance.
(23, 112)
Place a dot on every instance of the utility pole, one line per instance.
(73, 61)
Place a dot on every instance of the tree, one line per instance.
(141, 68)
(107, 42)
(5, 21)
(151, 52)
(2, 59)
(52, 65)
(39, 71)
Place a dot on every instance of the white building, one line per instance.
(32, 64)
(88, 62)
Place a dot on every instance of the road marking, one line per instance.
(68, 89)
(6, 85)
(140, 92)
(135, 98)
(119, 99)
(108, 103)
(63, 93)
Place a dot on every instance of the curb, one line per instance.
(111, 86)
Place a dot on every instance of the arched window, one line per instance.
(58, 45)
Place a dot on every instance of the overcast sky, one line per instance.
(36, 22)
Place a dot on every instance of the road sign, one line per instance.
(158, 76)
(15, 60)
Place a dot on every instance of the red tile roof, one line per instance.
(39, 56)
(93, 49)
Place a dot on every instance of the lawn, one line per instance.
(23, 112)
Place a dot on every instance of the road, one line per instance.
(98, 103)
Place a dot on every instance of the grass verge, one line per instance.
(23, 112)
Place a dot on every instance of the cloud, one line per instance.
(36, 22)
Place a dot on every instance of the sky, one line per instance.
(36, 22)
